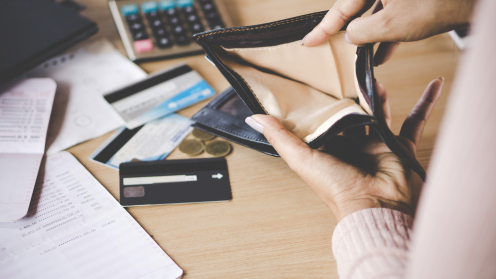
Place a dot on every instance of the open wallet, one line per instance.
(315, 92)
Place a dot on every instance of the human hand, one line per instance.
(350, 174)
(391, 22)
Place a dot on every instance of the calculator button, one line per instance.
(192, 18)
(133, 18)
(178, 29)
(182, 40)
(136, 26)
(160, 32)
(147, 7)
(174, 21)
(184, 3)
(143, 45)
(196, 27)
(167, 5)
(208, 7)
(189, 10)
(140, 35)
(131, 9)
(163, 42)
(152, 15)
(157, 23)
(171, 12)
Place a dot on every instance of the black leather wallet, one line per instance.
(316, 92)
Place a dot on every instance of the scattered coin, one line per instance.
(199, 134)
(191, 147)
(218, 148)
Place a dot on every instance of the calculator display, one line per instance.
(153, 30)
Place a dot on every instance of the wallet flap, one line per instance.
(225, 117)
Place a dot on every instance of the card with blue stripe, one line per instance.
(158, 95)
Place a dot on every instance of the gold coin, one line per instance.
(191, 147)
(218, 148)
(199, 134)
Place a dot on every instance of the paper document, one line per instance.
(83, 75)
(25, 108)
(150, 142)
(76, 229)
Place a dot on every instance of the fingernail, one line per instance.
(303, 40)
(442, 79)
(254, 124)
(346, 38)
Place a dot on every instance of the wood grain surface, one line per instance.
(275, 226)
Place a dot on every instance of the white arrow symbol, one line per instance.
(219, 176)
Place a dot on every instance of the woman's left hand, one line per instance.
(350, 174)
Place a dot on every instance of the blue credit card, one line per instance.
(160, 94)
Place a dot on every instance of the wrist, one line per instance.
(343, 209)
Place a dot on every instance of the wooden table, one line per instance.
(275, 226)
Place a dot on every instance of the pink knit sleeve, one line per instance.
(455, 227)
(372, 243)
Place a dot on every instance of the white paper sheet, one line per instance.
(76, 229)
(83, 75)
(25, 107)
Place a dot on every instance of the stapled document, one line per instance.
(25, 108)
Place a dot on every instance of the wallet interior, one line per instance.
(308, 89)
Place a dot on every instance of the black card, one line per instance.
(174, 181)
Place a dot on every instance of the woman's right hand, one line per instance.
(392, 21)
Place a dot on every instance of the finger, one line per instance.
(414, 123)
(337, 17)
(378, 27)
(290, 148)
(381, 91)
(384, 52)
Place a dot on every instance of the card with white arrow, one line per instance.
(174, 181)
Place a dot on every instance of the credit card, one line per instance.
(174, 181)
(158, 95)
(150, 142)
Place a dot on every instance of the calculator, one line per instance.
(152, 30)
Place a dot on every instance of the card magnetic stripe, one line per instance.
(109, 151)
(135, 169)
(147, 83)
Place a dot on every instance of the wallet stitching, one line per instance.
(233, 132)
(261, 48)
(249, 87)
(265, 26)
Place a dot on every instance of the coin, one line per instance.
(199, 134)
(191, 147)
(218, 148)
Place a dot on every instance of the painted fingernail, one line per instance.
(254, 124)
(303, 40)
(346, 38)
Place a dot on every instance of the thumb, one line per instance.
(294, 151)
(372, 29)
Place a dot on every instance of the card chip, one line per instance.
(134, 192)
